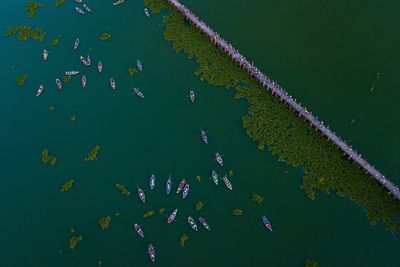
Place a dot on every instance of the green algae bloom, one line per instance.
(372, 88)
(199, 205)
(183, 239)
(161, 211)
(66, 79)
(48, 159)
(55, 41)
(24, 32)
(237, 212)
(104, 222)
(105, 36)
(67, 186)
(59, 3)
(257, 198)
(148, 214)
(353, 120)
(31, 8)
(21, 79)
(93, 153)
(310, 263)
(132, 71)
(123, 189)
(73, 241)
(198, 178)
(231, 173)
(72, 118)
(52, 109)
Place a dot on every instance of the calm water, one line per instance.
(323, 53)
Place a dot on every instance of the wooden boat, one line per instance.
(266, 222)
(139, 230)
(181, 186)
(205, 224)
(112, 83)
(204, 136)
(71, 73)
(168, 185)
(80, 11)
(99, 66)
(185, 191)
(214, 177)
(227, 182)
(118, 2)
(45, 54)
(40, 90)
(59, 84)
(192, 223)
(83, 81)
(192, 96)
(141, 195)
(172, 216)
(152, 253)
(76, 43)
(152, 181)
(218, 158)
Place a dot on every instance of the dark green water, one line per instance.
(323, 53)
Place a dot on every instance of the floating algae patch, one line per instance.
(52, 108)
(257, 198)
(148, 214)
(123, 189)
(55, 41)
(105, 36)
(67, 186)
(372, 88)
(199, 205)
(183, 239)
(237, 212)
(231, 173)
(72, 118)
(278, 129)
(161, 211)
(93, 153)
(310, 263)
(31, 8)
(352, 121)
(48, 159)
(66, 79)
(73, 241)
(21, 79)
(105, 222)
(198, 178)
(132, 71)
(59, 3)
(24, 32)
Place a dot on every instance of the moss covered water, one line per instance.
(158, 135)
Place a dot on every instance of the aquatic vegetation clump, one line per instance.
(52, 108)
(231, 173)
(25, 32)
(257, 198)
(237, 212)
(93, 153)
(31, 8)
(21, 79)
(59, 3)
(105, 222)
(73, 241)
(310, 263)
(72, 118)
(161, 211)
(66, 79)
(183, 239)
(198, 178)
(276, 128)
(67, 186)
(48, 159)
(199, 205)
(353, 120)
(132, 71)
(148, 214)
(123, 189)
(105, 36)
(55, 41)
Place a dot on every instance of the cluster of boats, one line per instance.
(84, 6)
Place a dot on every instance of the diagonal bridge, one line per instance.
(283, 96)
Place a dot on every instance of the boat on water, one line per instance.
(168, 185)
(205, 224)
(139, 230)
(59, 84)
(172, 216)
(76, 43)
(152, 253)
(71, 73)
(86, 7)
(141, 195)
(204, 136)
(112, 83)
(227, 182)
(147, 13)
(181, 186)
(80, 11)
(84, 81)
(45, 54)
(192, 223)
(118, 2)
(100, 66)
(192, 96)
(185, 191)
(78, 1)
(218, 158)
(266, 222)
(139, 65)
(214, 177)
(137, 92)
(85, 60)
(40, 90)
(152, 181)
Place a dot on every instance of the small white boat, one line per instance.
(78, 1)
(227, 182)
(40, 90)
(45, 54)
(139, 65)
(80, 11)
(99, 66)
(118, 2)
(76, 43)
(147, 13)
(112, 83)
(71, 73)
(83, 81)
(59, 84)
(137, 92)
(86, 7)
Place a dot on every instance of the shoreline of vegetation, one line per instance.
(278, 129)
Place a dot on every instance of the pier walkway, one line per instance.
(285, 97)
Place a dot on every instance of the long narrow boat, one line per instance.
(185, 191)
(152, 253)
(214, 177)
(139, 65)
(99, 66)
(84, 81)
(192, 96)
(40, 90)
(76, 43)
(80, 11)
(204, 136)
(181, 186)
(227, 182)
(118, 2)
(137, 92)
(172, 216)
(192, 223)
(266, 222)
(141, 195)
(139, 230)
(218, 158)
(59, 84)
(85, 60)
(147, 13)
(71, 72)
(45, 54)
(152, 181)
(112, 83)
(86, 7)
(168, 185)
(205, 224)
